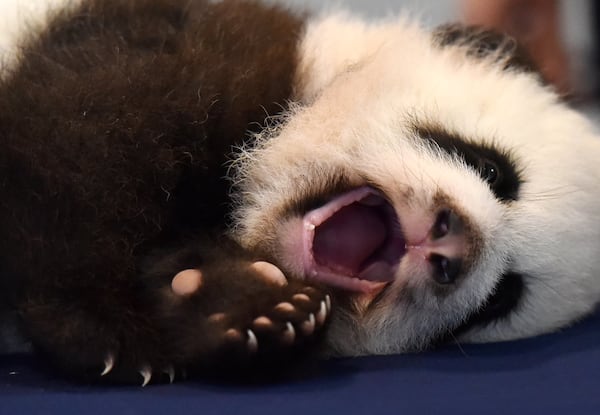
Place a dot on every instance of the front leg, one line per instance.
(203, 308)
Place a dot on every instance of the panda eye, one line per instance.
(489, 171)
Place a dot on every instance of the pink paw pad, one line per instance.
(269, 272)
(186, 282)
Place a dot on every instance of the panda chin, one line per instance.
(353, 242)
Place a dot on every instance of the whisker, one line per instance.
(457, 343)
(543, 282)
(550, 194)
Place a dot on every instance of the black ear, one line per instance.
(482, 43)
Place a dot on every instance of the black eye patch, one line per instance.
(495, 166)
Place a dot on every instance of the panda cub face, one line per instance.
(441, 195)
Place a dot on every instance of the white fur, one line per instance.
(361, 85)
(19, 18)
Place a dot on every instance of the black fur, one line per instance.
(496, 166)
(115, 128)
(484, 43)
(503, 301)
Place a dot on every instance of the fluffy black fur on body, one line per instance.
(115, 129)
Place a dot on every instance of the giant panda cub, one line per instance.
(198, 187)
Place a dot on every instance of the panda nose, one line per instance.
(445, 270)
(446, 247)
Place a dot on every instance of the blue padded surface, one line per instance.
(553, 374)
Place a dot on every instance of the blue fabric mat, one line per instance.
(553, 374)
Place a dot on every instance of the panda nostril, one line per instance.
(441, 227)
(445, 270)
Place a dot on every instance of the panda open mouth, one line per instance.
(353, 242)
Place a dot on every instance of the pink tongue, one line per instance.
(347, 239)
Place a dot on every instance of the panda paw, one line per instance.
(267, 322)
(232, 321)
(290, 322)
(189, 315)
